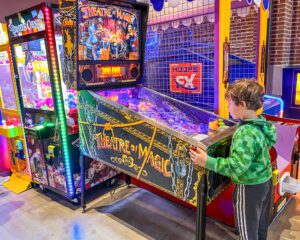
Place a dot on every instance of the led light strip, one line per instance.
(281, 103)
(59, 102)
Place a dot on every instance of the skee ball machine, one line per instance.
(136, 130)
(13, 154)
(49, 110)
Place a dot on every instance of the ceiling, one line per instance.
(9, 7)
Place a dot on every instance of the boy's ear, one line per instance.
(243, 103)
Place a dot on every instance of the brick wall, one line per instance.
(295, 38)
(243, 35)
(281, 29)
(284, 42)
(285, 33)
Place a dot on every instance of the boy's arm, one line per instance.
(242, 152)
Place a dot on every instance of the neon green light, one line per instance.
(59, 101)
(39, 127)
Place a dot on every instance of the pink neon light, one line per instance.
(4, 156)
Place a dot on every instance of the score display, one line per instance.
(103, 74)
(110, 71)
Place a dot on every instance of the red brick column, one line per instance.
(284, 41)
(295, 38)
(281, 31)
(243, 35)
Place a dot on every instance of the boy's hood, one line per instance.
(267, 128)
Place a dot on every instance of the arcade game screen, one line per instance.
(6, 86)
(108, 33)
(35, 82)
(183, 118)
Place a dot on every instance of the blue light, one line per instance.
(266, 4)
(278, 99)
(77, 232)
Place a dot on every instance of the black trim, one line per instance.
(42, 111)
(107, 85)
(28, 37)
(23, 39)
(59, 192)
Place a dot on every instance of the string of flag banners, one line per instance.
(159, 4)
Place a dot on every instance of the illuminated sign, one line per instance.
(40, 66)
(27, 23)
(186, 78)
(107, 32)
(3, 34)
(114, 71)
(297, 96)
(104, 11)
(4, 58)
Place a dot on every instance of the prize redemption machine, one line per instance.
(49, 110)
(291, 92)
(136, 130)
(13, 154)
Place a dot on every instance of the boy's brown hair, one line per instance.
(247, 90)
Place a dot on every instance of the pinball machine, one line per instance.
(140, 132)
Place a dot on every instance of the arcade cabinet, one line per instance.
(139, 131)
(48, 106)
(13, 157)
(48, 109)
(291, 92)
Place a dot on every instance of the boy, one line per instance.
(248, 164)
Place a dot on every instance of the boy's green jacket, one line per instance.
(249, 160)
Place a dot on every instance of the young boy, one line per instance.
(248, 164)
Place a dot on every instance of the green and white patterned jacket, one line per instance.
(249, 160)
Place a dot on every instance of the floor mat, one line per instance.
(17, 183)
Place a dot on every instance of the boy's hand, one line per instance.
(198, 157)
